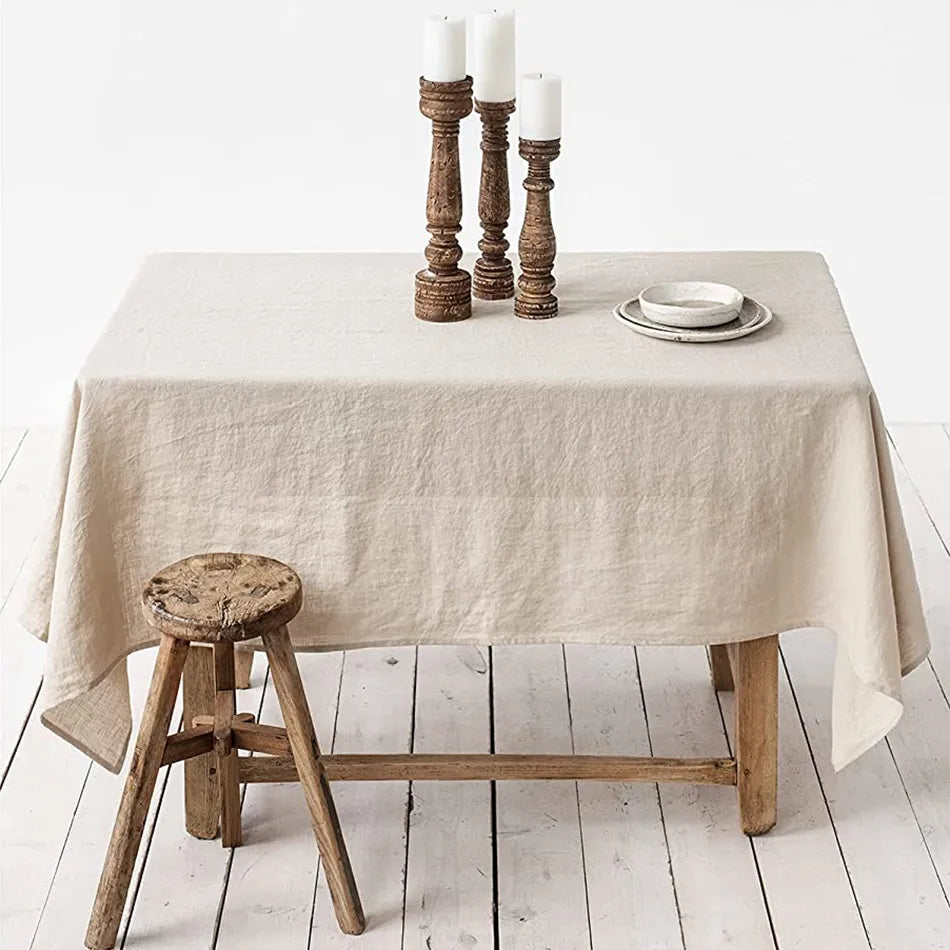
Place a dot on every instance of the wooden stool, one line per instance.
(222, 599)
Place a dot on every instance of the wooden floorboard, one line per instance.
(181, 872)
(918, 745)
(375, 715)
(800, 861)
(883, 845)
(37, 805)
(717, 883)
(925, 452)
(22, 496)
(931, 558)
(541, 887)
(42, 784)
(449, 872)
(273, 875)
(10, 441)
(592, 865)
(73, 887)
(630, 884)
(920, 741)
(25, 499)
(21, 671)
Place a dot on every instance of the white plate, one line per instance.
(753, 316)
(690, 303)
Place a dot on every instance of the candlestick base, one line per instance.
(493, 281)
(537, 245)
(541, 306)
(443, 298)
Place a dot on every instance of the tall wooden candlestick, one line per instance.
(493, 277)
(537, 245)
(444, 290)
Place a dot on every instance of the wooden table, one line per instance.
(495, 481)
(749, 668)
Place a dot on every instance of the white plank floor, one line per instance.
(858, 860)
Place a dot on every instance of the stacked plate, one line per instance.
(693, 312)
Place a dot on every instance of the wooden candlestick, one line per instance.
(493, 277)
(537, 245)
(444, 291)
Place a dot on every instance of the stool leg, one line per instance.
(316, 788)
(139, 786)
(224, 709)
(202, 794)
(243, 667)
(720, 669)
(756, 676)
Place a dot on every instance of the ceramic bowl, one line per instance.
(691, 303)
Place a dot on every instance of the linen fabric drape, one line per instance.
(493, 481)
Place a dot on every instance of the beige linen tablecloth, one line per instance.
(493, 481)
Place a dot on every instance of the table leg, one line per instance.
(202, 795)
(720, 668)
(755, 669)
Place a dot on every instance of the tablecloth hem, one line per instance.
(115, 767)
(839, 760)
(912, 665)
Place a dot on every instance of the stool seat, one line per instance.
(223, 597)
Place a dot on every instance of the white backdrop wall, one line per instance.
(132, 126)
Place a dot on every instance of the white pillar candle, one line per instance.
(443, 49)
(539, 107)
(494, 47)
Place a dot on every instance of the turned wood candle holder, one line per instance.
(537, 246)
(444, 290)
(493, 276)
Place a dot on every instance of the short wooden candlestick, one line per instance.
(537, 246)
(493, 277)
(443, 290)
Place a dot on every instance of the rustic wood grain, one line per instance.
(443, 292)
(187, 744)
(202, 797)
(316, 789)
(720, 669)
(489, 767)
(224, 709)
(537, 245)
(493, 276)
(235, 719)
(139, 786)
(243, 668)
(270, 740)
(755, 669)
(211, 597)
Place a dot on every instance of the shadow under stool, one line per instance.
(222, 599)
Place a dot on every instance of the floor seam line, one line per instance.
(577, 798)
(16, 451)
(913, 811)
(659, 803)
(409, 795)
(824, 797)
